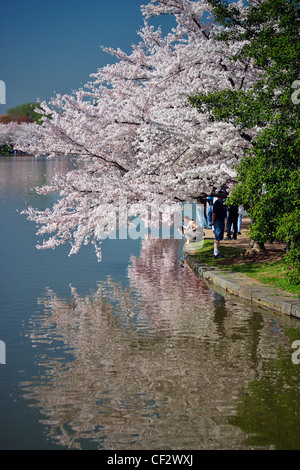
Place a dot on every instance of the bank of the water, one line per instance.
(266, 266)
(239, 284)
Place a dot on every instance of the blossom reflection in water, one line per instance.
(154, 365)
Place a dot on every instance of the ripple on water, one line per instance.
(160, 363)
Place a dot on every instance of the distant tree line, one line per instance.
(18, 123)
(22, 113)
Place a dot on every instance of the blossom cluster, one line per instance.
(133, 131)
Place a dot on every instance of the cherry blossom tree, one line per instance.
(13, 132)
(134, 133)
(5, 134)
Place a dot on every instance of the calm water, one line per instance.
(134, 352)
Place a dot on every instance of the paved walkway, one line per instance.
(239, 284)
(242, 240)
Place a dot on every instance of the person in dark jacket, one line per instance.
(232, 221)
(218, 221)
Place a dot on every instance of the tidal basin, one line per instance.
(135, 352)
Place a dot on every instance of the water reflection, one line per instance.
(272, 399)
(19, 175)
(158, 364)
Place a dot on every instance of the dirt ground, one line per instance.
(273, 251)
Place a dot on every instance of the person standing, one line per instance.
(201, 210)
(218, 221)
(209, 209)
(232, 220)
(241, 213)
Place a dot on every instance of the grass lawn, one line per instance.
(267, 268)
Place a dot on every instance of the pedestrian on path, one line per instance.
(241, 213)
(218, 221)
(232, 221)
(209, 209)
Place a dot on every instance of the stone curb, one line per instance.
(241, 285)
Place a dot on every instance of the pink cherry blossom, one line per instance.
(133, 131)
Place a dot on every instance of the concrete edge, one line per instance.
(239, 284)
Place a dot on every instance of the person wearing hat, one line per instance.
(218, 221)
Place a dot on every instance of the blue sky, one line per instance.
(50, 46)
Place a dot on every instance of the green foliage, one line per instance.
(268, 175)
(27, 110)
